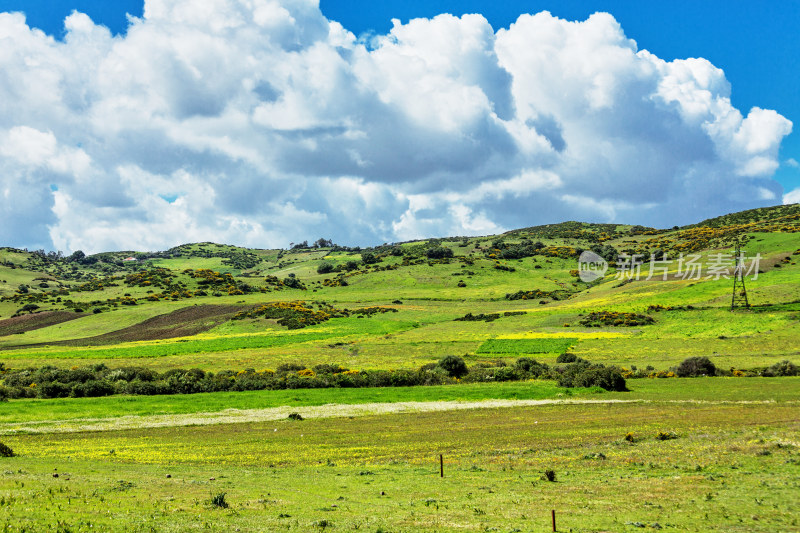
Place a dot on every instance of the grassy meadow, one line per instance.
(731, 463)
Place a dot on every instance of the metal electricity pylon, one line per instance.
(739, 297)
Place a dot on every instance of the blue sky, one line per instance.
(259, 123)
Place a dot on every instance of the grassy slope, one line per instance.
(423, 330)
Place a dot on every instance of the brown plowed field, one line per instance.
(181, 323)
(20, 324)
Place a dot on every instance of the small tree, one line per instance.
(696, 366)
(293, 282)
(369, 258)
(27, 308)
(77, 255)
(325, 268)
(454, 366)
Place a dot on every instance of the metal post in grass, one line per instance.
(553, 515)
(441, 465)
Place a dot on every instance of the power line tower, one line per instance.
(739, 297)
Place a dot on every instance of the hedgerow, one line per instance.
(99, 380)
(615, 318)
(299, 314)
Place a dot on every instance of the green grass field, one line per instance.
(732, 466)
(526, 346)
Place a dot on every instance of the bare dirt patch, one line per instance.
(21, 324)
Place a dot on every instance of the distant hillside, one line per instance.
(405, 305)
(753, 216)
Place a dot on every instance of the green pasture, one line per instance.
(526, 346)
(19, 412)
(731, 466)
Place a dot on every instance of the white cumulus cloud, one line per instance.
(260, 122)
(792, 197)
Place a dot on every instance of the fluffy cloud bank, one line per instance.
(260, 122)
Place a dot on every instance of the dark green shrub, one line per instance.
(369, 258)
(53, 389)
(325, 268)
(505, 373)
(696, 366)
(146, 388)
(439, 252)
(404, 378)
(218, 500)
(5, 451)
(377, 378)
(91, 389)
(784, 368)
(566, 358)
(454, 366)
(290, 367)
(435, 376)
(328, 369)
(583, 374)
(531, 366)
(295, 416)
(549, 475)
(293, 283)
(27, 308)
(129, 373)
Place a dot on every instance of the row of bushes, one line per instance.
(615, 318)
(703, 366)
(487, 317)
(537, 294)
(99, 380)
(298, 314)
